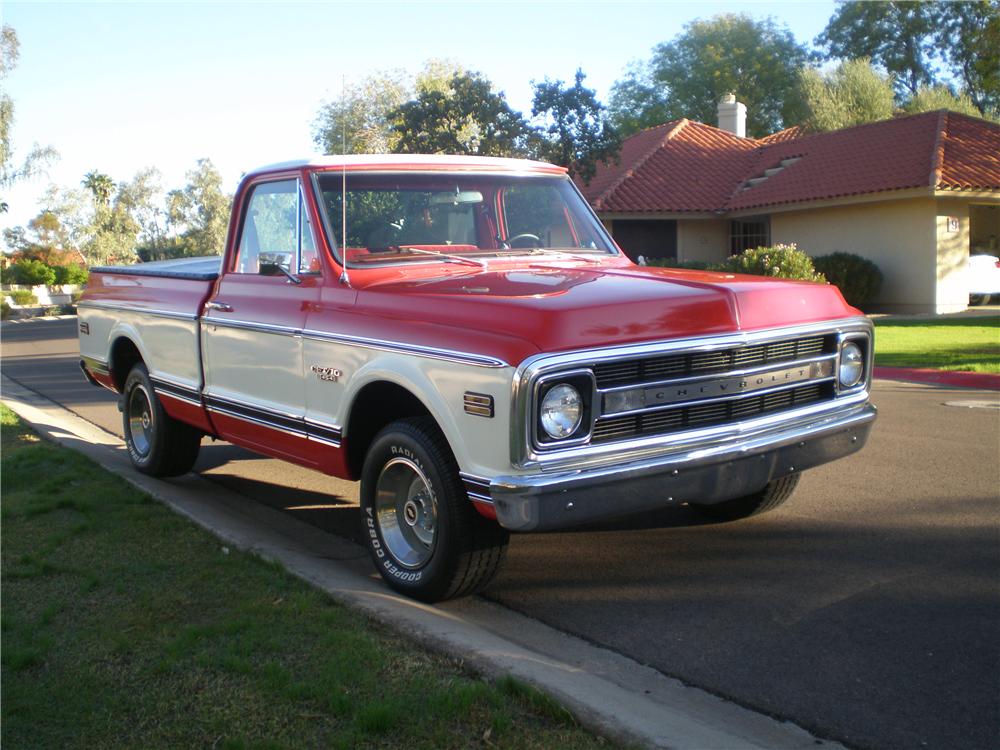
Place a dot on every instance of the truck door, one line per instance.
(252, 328)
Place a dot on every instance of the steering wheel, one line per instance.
(535, 239)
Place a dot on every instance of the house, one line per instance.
(914, 194)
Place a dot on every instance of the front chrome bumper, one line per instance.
(722, 471)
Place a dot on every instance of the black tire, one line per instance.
(774, 494)
(979, 299)
(157, 444)
(424, 536)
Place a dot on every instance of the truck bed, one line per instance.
(156, 309)
(197, 269)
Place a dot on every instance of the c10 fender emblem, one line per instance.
(329, 374)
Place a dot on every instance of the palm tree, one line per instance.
(101, 185)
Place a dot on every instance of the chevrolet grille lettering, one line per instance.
(639, 398)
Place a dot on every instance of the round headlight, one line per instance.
(852, 365)
(561, 411)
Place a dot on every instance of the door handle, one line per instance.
(220, 306)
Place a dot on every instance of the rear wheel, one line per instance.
(157, 444)
(774, 494)
(978, 299)
(423, 534)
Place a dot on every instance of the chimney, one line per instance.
(733, 116)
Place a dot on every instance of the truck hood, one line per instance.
(559, 307)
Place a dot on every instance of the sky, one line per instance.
(118, 87)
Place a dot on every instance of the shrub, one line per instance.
(858, 279)
(4, 310)
(71, 274)
(779, 261)
(51, 311)
(694, 265)
(32, 272)
(23, 297)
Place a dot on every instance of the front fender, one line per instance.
(480, 444)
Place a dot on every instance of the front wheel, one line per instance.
(978, 299)
(774, 494)
(157, 444)
(423, 534)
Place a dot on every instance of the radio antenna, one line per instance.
(344, 278)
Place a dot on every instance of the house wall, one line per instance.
(703, 239)
(900, 237)
(952, 255)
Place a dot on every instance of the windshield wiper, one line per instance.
(445, 256)
(572, 256)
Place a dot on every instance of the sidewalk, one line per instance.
(982, 380)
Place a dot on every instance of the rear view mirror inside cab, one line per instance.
(458, 198)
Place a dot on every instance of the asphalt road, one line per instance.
(867, 609)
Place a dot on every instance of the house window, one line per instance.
(745, 234)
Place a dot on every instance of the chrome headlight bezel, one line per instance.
(581, 382)
(855, 347)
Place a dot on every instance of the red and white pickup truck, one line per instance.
(463, 336)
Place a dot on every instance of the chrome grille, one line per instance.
(651, 369)
(666, 421)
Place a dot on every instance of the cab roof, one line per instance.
(411, 162)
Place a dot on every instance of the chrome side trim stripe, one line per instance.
(289, 425)
(447, 355)
(477, 488)
(323, 433)
(96, 305)
(176, 391)
(217, 409)
(100, 366)
(247, 325)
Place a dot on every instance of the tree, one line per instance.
(11, 171)
(144, 199)
(112, 234)
(894, 34)
(575, 131)
(200, 211)
(756, 60)
(101, 185)
(104, 228)
(968, 36)
(358, 122)
(45, 240)
(637, 100)
(465, 117)
(852, 94)
(913, 40)
(930, 98)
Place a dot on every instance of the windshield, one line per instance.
(396, 218)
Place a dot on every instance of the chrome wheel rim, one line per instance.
(140, 420)
(406, 512)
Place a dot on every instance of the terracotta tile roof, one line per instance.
(687, 166)
(679, 166)
(787, 134)
(971, 155)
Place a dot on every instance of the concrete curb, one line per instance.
(980, 380)
(606, 692)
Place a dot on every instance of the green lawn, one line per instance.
(971, 344)
(124, 625)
